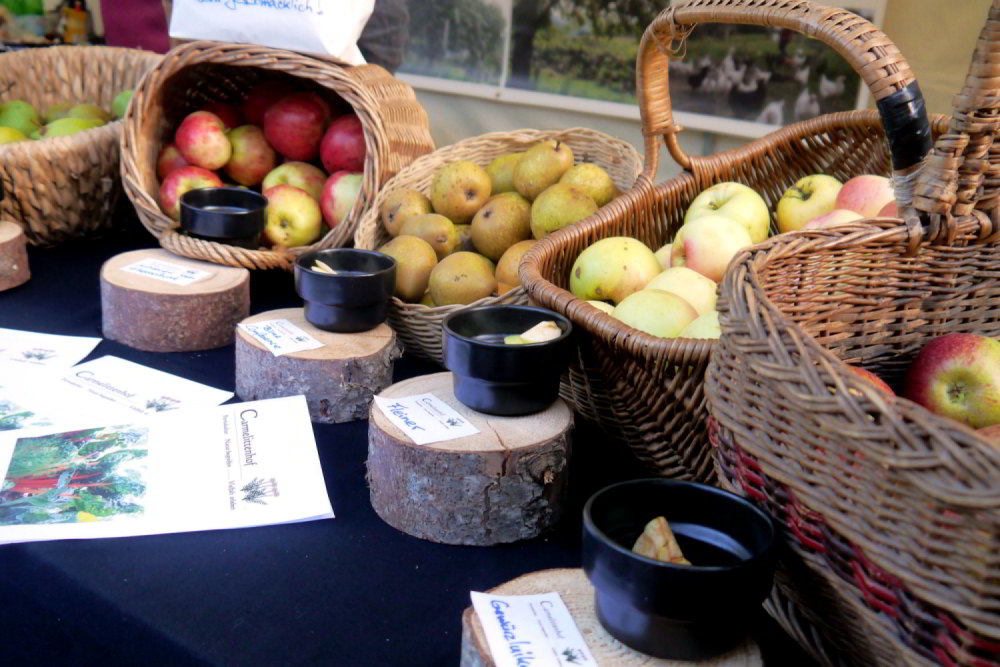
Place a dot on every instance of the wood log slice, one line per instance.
(578, 596)
(338, 379)
(505, 483)
(150, 314)
(13, 256)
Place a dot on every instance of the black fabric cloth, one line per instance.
(345, 591)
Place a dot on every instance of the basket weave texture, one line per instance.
(891, 513)
(395, 128)
(64, 188)
(419, 326)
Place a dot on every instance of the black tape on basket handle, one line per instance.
(907, 128)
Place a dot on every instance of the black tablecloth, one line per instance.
(346, 591)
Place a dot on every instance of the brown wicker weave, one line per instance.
(66, 187)
(892, 514)
(644, 390)
(395, 127)
(419, 326)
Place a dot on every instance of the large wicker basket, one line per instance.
(645, 390)
(419, 326)
(395, 128)
(891, 513)
(66, 187)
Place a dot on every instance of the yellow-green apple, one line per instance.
(705, 326)
(301, 175)
(201, 139)
(890, 210)
(810, 197)
(339, 194)
(88, 111)
(293, 217)
(871, 377)
(459, 189)
(342, 147)
(260, 98)
(735, 201)
(837, 216)
(611, 269)
(20, 115)
(708, 243)
(119, 105)
(593, 180)
(294, 125)
(401, 205)
(867, 194)
(63, 127)
(57, 110)
(688, 284)
(602, 306)
(170, 158)
(657, 313)
(663, 256)
(181, 180)
(957, 375)
(230, 115)
(558, 206)
(252, 158)
(9, 135)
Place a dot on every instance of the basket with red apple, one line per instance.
(317, 137)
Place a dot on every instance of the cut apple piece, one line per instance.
(541, 332)
(658, 542)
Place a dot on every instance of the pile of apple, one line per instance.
(445, 242)
(273, 141)
(20, 121)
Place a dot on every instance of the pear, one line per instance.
(62, 127)
(559, 206)
(415, 258)
(427, 300)
(593, 180)
(401, 205)
(20, 115)
(507, 276)
(465, 243)
(57, 111)
(501, 171)
(500, 223)
(459, 189)
(89, 111)
(541, 165)
(433, 228)
(462, 278)
(120, 104)
(9, 135)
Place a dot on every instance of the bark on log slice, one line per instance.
(13, 256)
(578, 596)
(338, 379)
(505, 483)
(150, 314)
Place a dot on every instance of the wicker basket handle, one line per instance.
(867, 49)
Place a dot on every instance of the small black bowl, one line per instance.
(233, 216)
(351, 300)
(678, 612)
(500, 379)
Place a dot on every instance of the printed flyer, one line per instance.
(30, 351)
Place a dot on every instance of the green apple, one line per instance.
(20, 115)
(63, 127)
(88, 111)
(602, 306)
(810, 197)
(705, 326)
(9, 135)
(688, 284)
(57, 111)
(293, 217)
(120, 103)
(656, 312)
(735, 201)
(611, 269)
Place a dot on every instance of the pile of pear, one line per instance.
(21, 121)
(463, 240)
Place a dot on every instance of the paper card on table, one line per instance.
(280, 336)
(535, 630)
(425, 418)
(168, 272)
(37, 351)
(230, 466)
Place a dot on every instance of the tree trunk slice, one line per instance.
(505, 483)
(157, 316)
(578, 596)
(338, 379)
(13, 256)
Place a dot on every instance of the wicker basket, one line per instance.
(395, 128)
(419, 326)
(892, 513)
(65, 187)
(645, 390)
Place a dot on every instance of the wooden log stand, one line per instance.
(13, 256)
(338, 379)
(506, 483)
(150, 314)
(578, 596)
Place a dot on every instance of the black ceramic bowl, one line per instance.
(500, 379)
(226, 215)
(353, 299)
(678, 612)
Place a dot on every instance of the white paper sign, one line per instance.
(168, 272)
(21, 350)
(425, 418)
(280, 336)
(535, 630)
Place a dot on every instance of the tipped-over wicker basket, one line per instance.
(395, 128)
(645, 390)
(419, 326)
(63, 188)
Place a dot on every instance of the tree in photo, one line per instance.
(456, 39)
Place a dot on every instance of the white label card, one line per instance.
(168, 272)
(21, 349)
(281, 336)
(425, 418)
(535, 630)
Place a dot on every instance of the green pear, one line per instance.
(89, 111)
(434, 228)
(592, 179)
(465, 243)
(415, 258)
(500, 223)
(399, 206)
(462, 278)
(63, 127)
(611, 269)
(501, 171)
(57, 111)
(9, 135)
(459, 189)
(120, 103)
(541, 165)
(559, 206)
(20, 115)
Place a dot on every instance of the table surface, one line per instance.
(345, 591)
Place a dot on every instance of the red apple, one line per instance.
(293, 217)
(261, 97)
(889, 210)
(865, 194)
(339, 194)
(170, 159)
(874, 379)
(294, 125)
(958, 375)
(182, 180)
(201, 139)
(253, 158)
(343, 146)
(991, 434)
(230, 115)
(301, 175)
